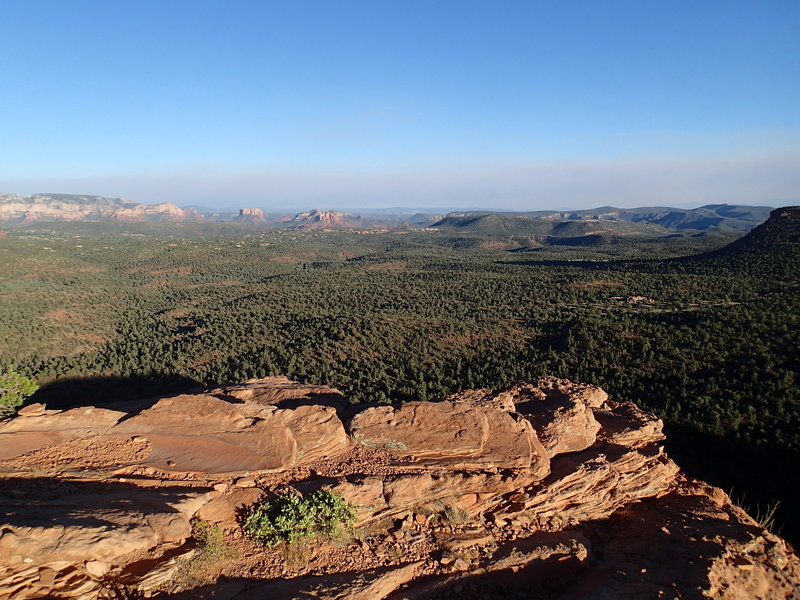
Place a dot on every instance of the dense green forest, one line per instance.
(100, 313)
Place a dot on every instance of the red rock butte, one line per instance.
(546, 490)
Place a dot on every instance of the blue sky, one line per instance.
(298, 104)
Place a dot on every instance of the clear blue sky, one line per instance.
(298, 104)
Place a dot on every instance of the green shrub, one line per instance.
(14, 389)
(291, 517)
(210, 539)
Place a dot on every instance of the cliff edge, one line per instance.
(547, 490)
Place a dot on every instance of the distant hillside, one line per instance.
(67, 207)
(494, 224)
(772, 249)
(711, 217)
(510, 224)
(651, 220)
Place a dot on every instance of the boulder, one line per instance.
(227, 507)
(32, 410)
(560, 412)
(365, 493)
(626, 424)
(317, 430)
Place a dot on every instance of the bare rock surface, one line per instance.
(235, 429)
(92, 520)
(204, 433)
(546, 491)
(36, 428)
(372, 584)
(628, 425)
(283, 393)
(594, 483)
(317, 430)
(423, 430)
(691, 543)
(458, 433)
(561, 412)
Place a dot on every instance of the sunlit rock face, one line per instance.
(548, 485)
(67, 207)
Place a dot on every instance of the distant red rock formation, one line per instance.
(325, 219)
(67, 207)
(251, 215)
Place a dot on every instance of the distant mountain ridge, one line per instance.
(712, 217)
(605, 220)
(16, 209)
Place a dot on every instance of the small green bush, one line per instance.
(291, 517)
(210, 539)
(14, 389)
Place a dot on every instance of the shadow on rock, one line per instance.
(45, 502)
(112, 392)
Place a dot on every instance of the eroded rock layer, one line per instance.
(545, 490)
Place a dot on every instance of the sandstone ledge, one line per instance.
(547, 483)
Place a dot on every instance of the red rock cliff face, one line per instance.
(251, 215)
(547, 490)
(325, 219)
(63, 207)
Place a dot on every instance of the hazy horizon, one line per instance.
(539, 185)
(518, 106)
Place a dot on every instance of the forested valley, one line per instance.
(704, 336)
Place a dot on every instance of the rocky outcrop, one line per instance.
(547, 486)
(561, 412)
(36, 427)
(198, 433)
(250, 215)
(67, 207)
(325, 219)
(459, 434)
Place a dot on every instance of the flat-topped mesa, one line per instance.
(250, 215)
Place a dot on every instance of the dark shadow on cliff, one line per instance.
(589, 265)
(756, 477)
(670, 535)
(694, 263)
(58, 502)
(112, 392)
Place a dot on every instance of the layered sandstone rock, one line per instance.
(37, 428)
(560, 411)
(234, 429)
(547, 486)
(458, 434)
(70, 207)
(203, 433)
